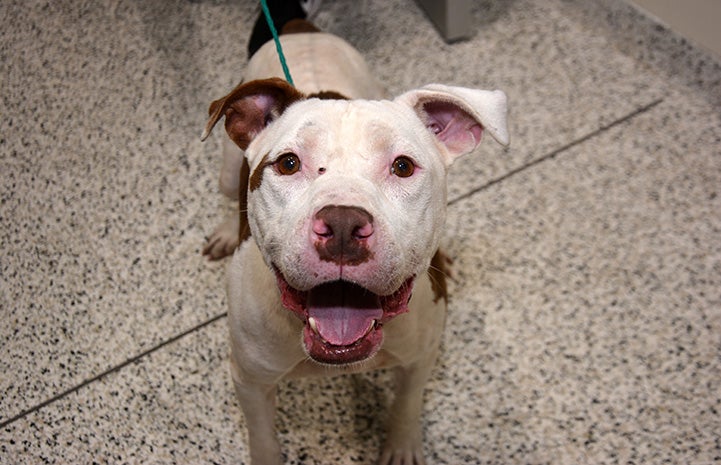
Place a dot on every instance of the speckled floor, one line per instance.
(585, 315)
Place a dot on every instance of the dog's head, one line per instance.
(346, 198)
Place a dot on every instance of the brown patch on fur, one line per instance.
(328, 95)
(438, 272)
(244, 229)
(297, 26)
(244, 110)
(257, 177)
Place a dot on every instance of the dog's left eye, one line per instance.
(403, 167)
(288, 164)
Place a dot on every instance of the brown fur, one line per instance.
(257, 177)
(328, 95)
(438, 272)
(297, 26)
(244, 230)
(243, 118)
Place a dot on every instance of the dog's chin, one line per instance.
(343, 322)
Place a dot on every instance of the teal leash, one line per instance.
(278, 47)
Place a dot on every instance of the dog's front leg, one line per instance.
(404, 440)
(258, 404)
(230, 181)
(233, 182)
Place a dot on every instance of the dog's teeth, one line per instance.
(313, 324)
(371, 327)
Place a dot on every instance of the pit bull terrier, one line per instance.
(342, 194)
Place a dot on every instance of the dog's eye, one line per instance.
(288, 164)
(403, 167)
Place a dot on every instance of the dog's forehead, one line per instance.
(312, 123)
(350, 116)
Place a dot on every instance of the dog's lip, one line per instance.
(365, 336)
(322, 351)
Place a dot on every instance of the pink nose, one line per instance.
(341, 234)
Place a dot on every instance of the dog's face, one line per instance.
(346, 200)
(326, 163)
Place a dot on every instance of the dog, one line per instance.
(335, 263)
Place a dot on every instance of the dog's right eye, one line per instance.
(288, 164)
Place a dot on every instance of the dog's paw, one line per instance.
(402, 454)
(224, 240)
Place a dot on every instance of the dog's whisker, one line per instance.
(441, 271)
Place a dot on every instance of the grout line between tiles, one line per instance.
(110, 371)
(558, 151)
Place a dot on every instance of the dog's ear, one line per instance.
(250, 107)
(458, 116)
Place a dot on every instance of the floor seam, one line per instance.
(558, 151)
(110, 371)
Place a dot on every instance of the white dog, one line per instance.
(342, 199)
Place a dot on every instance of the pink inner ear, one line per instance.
(455, 128)
(245, 118)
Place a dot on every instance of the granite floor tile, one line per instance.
(584, 327)
(587, 303)
(585, 319)
(176, 405)
(172, 406)
(641, 37)
(107, 192)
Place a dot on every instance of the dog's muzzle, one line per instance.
(343, 320)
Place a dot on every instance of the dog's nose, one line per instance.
(342, 234)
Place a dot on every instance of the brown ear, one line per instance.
(250, 107)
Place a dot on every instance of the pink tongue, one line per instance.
(343, 311)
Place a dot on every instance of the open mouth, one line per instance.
(343, 321)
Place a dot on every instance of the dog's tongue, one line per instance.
(343, 312)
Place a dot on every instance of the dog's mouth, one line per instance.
(343, 321)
